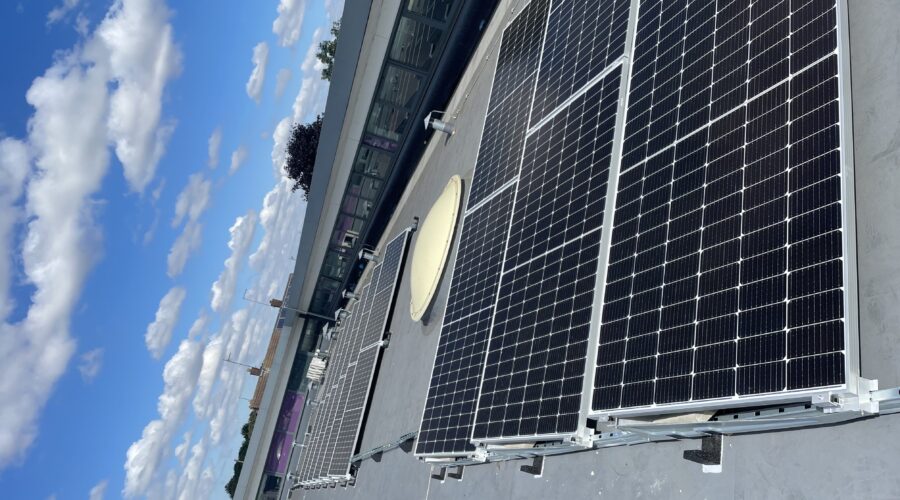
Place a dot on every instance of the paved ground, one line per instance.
(856, 460)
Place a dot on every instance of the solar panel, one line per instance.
(583, 38)
(725, 274)
(327, 413)
(367, 352)
(450, 405)
(507, 117)
(336, 424)
(535, 365)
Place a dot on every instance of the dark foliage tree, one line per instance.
(246, 430)
(326, 51)
(301, 154)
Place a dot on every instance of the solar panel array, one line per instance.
(723, 259)
(336, 425)
(535, 364)
(725, 273)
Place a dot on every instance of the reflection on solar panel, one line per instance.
(507, 118)
(335, 427)
(725, 275)
(535, 365)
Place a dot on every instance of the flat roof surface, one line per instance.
(853, 460)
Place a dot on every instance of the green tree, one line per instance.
(300, 154)
(326, 51)
(246, 430)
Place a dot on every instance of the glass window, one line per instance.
(335, 265)
(415, 43)
(388, 120)
(373, 162)
(439, 10)
(366, 187)
(346, 231)
(400, 86)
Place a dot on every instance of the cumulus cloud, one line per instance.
(238, 157)
(196, 482)
(181, 450)
(192, 202)
(141, 58)
(15, 162)
(279, 142)
(59, 12)
(145, 456)
(159, 332)
(99, 490)
(289, 21)
(258, 75)
(107, 90)
(213, 145)
(89, 365)
(185, 244)
(193, 199)
(311, 63)
(281, 80)
(212, 360)
(310, 100)
(242, 232)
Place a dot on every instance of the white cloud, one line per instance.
(187, 243)
(145, 456)
(90, 363)
(279, 142)
(181, 450)
(15, 162)
(192, 202)
(213, 146)
(198, 328)
(59, 12)
(258, 75)
(242, 232)
(311, 62)
(159, 333)
(310, 100)
(142, 58)
(158, 190)
(194, 482)
(281, 80)
(212, 360)
(289, 21)
(193, 199)
(238, 157)
(99, 490)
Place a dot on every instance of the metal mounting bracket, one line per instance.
(709, 455)
(440, 475)
(536, 468)
(458, 475)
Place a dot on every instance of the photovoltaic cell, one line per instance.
(583, 38)
(725, 274)
(450, 404)
(507, 117)
(535, 363)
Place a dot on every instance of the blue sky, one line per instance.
(140, 195)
